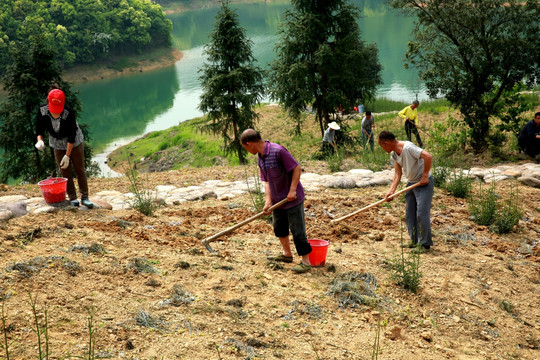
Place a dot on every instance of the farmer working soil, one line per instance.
(280, 173)
(368, 124)
(410, 115)
(328, 144)
(415, 163)
(66, 138)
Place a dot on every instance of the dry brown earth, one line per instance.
(478, 297)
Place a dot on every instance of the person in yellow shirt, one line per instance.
(410, 115)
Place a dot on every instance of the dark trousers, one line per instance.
(294, 219)
(327, 149)
(77, 159)
(410, 129)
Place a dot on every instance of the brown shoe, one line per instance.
(301, 268)
(281, 257)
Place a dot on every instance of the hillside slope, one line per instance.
(158, 293)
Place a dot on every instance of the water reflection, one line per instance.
(123, 107)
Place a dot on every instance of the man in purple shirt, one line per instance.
(280, 173)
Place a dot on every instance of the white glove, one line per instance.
(40, 145)
(65, 162)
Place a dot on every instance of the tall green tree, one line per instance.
(231, 82)
(322, 60)
(27, 81)
(474, 52)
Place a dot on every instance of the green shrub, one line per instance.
(508, 215)
(484, 207)
(459, 184)
(448, 137)
(335, 161)
(405, 271)
(164, 145)
(143, 201)
(441, 172)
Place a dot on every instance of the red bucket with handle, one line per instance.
(319, 248)
(53, 189)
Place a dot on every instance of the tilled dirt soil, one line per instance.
(155, 292)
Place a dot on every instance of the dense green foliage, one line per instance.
(321, 60)
(82, 31)
(232, 85)
(466, 51)
(27, 81)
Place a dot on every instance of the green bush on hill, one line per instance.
(84, 31)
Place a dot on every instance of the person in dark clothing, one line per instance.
(529, 138)
(280, 173)
(67, 140)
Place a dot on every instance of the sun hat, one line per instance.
(333, 125)
(56, 100)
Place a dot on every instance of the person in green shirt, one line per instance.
(410, 116)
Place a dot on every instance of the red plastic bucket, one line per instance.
(319, 248)
(53, 189)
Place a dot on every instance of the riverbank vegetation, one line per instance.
(441, 128)
(83, 32)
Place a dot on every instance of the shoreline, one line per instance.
(86, 73)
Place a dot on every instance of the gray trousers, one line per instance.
(417, 213)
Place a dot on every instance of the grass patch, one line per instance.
(459, 184)
(177, 145)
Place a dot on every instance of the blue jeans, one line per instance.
(417, 213)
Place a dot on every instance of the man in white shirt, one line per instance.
(329, 146)
(415, 164)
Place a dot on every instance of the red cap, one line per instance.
(56, 101)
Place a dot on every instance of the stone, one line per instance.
(17, 208)
(344, 183)
(200, 195)
(362, 172)
(12, 198)
(101, 204)
(5, 215)
(44, 209)
(529, 181)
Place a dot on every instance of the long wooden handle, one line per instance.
(234, 227)
(374, 204)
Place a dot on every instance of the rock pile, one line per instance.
(18, 205)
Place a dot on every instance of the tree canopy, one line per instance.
(232, 85)
(82, 31)
(474, 52)
(322, 61)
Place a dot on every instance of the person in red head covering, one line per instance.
(67, 141)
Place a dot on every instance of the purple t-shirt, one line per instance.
(276, 165)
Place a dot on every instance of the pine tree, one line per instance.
(322, 60)
(232, 85)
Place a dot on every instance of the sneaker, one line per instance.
(281, 257)
(75, 203)
(410, 245)
(420, 249)
(301, 268)
(87, 203)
